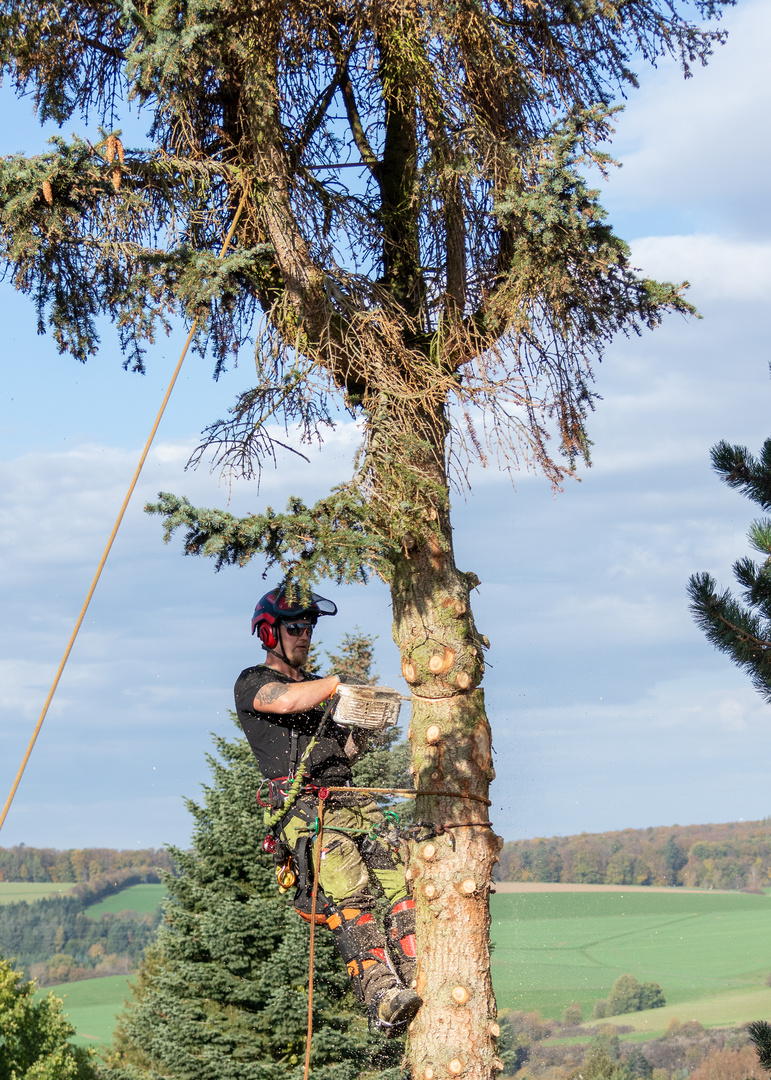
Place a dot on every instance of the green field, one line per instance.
(11, 892)
(555, 948)
(711, 953)
(92, 1006)
(139, 898)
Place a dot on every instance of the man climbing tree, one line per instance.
(743, 631)
(221, 995)
(287, 716)
(416, 244)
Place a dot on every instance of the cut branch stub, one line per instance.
(428, 852)
(455, 1067)
(441, 663)
(456, 606)
(460, 995)
(430, 891)
(463, 680)
(468, 887)
(433, 734)
(409, 671)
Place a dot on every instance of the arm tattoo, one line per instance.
(267, 694)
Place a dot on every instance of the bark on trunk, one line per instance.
(455, 1032)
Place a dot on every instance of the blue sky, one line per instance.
(608, 707)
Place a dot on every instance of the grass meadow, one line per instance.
(92, 1006)
(142, 899)
(710, 952)
(12, 892)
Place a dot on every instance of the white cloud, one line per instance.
(693, 149)
(60, 506)
(716, 267)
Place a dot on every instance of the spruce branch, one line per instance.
(327, 540)
(759, 1032)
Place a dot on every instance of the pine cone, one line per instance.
(48, 194)
(116, 176)
(119, 148)
(110, 147)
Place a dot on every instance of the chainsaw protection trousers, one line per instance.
(351, 855)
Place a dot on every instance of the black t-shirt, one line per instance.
(270, 734)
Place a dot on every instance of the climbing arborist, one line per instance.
(286, 716)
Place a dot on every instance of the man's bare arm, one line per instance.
(280, 698)
(266, 695)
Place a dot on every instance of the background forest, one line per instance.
(736, 855)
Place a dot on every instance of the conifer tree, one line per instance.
(419, 246)
(759, 1032)
(742, 629)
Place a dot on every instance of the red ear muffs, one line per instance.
(267, 636)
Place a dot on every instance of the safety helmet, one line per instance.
(274, 608)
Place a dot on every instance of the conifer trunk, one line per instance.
(455, 1031)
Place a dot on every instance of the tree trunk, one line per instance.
(454, 1033)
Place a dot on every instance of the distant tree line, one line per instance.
(731, 856)
(55, 941)
(22, 863)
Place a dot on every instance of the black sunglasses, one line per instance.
(295, 629)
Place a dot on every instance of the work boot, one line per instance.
(396, 1008)
(362, 946)
(400, 935)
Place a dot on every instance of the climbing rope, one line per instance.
(114, 532)
(314, 896)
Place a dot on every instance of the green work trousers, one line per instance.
(345, 870)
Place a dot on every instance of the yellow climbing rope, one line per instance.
(113, 534)
(314, 896)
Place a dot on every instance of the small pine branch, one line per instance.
(742, 632)
(759, 1032)
(733, 630)
(740, 470)
(330, 539)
